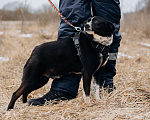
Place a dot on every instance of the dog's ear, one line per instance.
(111, 26)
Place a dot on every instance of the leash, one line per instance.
(98, 47)
(78, 29)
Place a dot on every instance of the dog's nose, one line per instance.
(87, 26)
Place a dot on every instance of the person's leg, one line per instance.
(109, 10)
(76, 12)
(64, 88)
(68, 83)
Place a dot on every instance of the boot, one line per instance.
(51, 95)
(110, 87)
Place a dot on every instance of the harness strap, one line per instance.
(99, 47)
(103, 50)
(76, 43)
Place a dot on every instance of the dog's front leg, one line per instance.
(95, 90)
(95, 86)
(86, 85)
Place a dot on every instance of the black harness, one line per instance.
(102, 49)
(76, 43)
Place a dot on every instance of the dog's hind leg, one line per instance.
(35, 85)
(24, 97)
(25, 89)
(32, 79)
(15, 96)
(86, 85)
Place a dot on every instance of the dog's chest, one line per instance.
(102, 61)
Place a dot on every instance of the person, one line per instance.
(76, 12)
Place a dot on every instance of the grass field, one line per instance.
(131, 99)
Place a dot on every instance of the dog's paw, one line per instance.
(95, 91)
(97, 96)
(86, 98)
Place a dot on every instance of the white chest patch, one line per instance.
(102, 40)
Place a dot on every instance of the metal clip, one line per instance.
(77, 29)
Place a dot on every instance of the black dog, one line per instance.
(58, 58)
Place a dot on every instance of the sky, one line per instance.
(126, 5)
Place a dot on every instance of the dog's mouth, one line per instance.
(87, 27)
(106, 41)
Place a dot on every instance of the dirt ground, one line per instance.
(131, 99)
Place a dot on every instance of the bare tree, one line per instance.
(22, 11)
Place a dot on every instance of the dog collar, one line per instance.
(102, 49)
(97, 46)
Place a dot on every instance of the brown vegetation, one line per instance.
(44, 16)
(137, 22)
(131, 99)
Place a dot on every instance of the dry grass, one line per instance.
(131, 100)
(137, 22)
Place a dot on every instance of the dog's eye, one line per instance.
(96, 21)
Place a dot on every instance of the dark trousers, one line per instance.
(76, 12)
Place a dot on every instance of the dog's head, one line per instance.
(101, 30)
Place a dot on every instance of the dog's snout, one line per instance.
(87, 26)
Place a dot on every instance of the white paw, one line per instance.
(97, 94)
(95, 90)
(86, 98)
